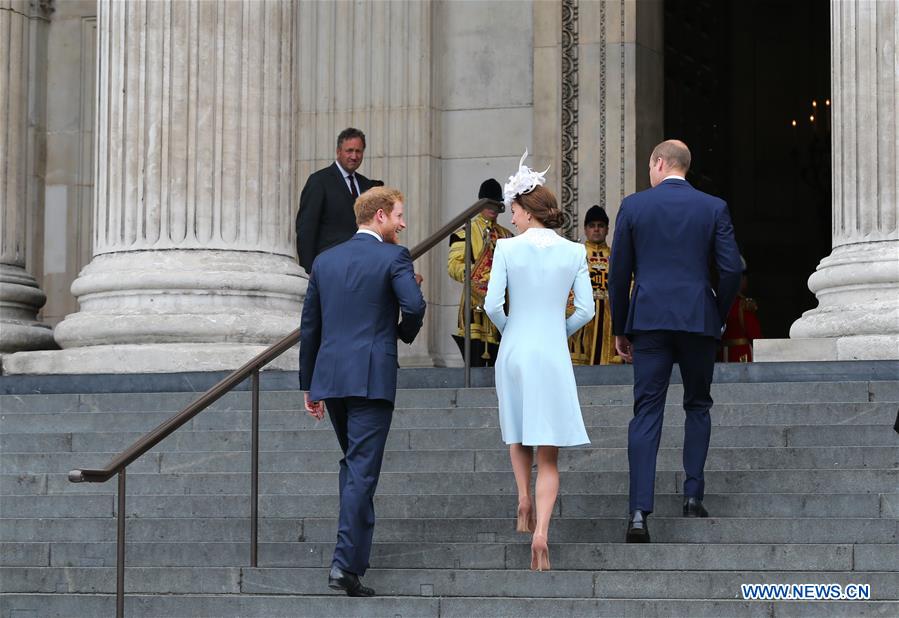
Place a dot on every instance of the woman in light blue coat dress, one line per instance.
(538, 402)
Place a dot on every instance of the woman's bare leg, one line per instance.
(547, 492)
(522, 460)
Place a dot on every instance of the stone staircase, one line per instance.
(802, 482)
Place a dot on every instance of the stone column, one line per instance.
(21, 173)
(857, 285)
(193, 254)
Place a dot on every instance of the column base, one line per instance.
(20, 300)
(417, 354)
(25, 336)
(449, 361)
(860, 347)
(415, 359)
(857, 287)
(150, 358)
(184, 297)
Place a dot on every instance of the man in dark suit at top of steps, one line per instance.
(665, 239)
(326, 215)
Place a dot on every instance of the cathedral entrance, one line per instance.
(747, 87)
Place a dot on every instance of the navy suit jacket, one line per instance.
(326, 216)
(666, 238)
(349, 327)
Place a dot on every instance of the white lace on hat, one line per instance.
(524, 180)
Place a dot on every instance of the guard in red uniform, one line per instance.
(742, 327)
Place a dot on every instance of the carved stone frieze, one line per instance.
(569, 117)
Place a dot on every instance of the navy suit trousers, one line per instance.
(361, 426)
(655, 353)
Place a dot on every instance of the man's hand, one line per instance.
(316, 409)
(418, 279)
(624, 349)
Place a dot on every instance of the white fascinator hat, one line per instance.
(524, 180)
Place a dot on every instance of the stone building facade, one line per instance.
(153, 152)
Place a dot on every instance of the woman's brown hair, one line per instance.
(541, 204)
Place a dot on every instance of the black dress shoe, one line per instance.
(338, 579)
(693, 508)
(637, 528)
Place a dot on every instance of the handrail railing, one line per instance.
(251, 369)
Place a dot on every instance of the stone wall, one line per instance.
(64, 238)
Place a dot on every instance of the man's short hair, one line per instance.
(375, 199)
(674, 152)
(350, 133)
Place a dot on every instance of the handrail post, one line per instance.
(467, 352)
(254, 499)
(120, 550)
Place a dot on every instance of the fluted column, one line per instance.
(193, 256)
(20, 169)
(857, 285)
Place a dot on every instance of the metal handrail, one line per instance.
(155, 436)
(251, 369)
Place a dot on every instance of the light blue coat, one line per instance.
(538, 403)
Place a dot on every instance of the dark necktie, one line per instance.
(353, 191)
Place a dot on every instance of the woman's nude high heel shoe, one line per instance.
(527, 519)
(539, 553)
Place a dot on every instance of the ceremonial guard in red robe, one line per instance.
(594, 343)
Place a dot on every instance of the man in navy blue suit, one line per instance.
(666, 238)
(348, 362)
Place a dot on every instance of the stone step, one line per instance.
(461, 530)
(167, 580)
(478, 505)
(654, 584)
(560, 584)
(725, 414)
(215, 606)
(427, 555)
(311, 483)
(441, 439)
(36, 463)
(73, 505)
(147, 529)
(803, 481)
(290, 606)
(734, 392)
(576, 608)
(462, 460)
(611, 530)
(443, 377)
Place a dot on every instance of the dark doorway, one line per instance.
(737, 76)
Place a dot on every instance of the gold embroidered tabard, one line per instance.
(484, 234)
(594, 344)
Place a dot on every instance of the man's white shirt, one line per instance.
(371, 232)
(346, 178)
